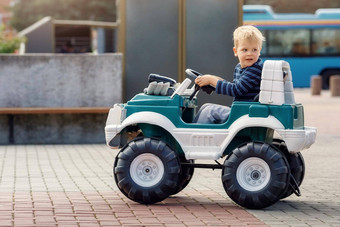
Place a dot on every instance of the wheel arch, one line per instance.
(151, 124)
(148, 117)
(244, 127)
(249, 134)
(156, 131)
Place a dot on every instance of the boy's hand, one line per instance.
(207, 79)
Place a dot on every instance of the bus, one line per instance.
(309, 42)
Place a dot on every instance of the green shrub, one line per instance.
(9, 43)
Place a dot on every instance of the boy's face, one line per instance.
(248, 52)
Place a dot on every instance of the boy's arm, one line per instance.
(207, 80)
(247, 82)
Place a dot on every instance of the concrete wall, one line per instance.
(48, 80)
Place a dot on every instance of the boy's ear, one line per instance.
(235, 51)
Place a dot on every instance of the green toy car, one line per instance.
(260, 142)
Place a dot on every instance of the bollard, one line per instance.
(334, 85)
(316, 84)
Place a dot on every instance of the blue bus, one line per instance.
(309, 42)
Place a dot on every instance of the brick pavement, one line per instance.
(319, 204)
(72, 185)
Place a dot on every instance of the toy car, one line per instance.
(260, 142)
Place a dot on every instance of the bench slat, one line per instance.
(53, 110)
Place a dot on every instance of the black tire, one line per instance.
(255, 175)
(185, 176)
(297, 168)
(146, 170)
(296, 164)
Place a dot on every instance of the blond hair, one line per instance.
(248, 32)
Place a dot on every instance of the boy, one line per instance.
(247, 76)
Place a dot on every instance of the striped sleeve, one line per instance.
(243, 84)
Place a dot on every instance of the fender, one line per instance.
(146, 117)
(248, 122)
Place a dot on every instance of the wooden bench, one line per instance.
(11, 111)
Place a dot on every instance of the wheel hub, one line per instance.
(146, 170)
(253, 174)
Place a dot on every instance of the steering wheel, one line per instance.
(194, 74)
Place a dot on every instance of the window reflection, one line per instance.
(302, 42)
(288, 42)
(326, 41)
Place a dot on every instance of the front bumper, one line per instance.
(112, 135)
(113, 123)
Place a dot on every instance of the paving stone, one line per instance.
(72, 185)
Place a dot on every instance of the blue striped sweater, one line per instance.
(246, 83)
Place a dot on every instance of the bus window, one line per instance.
(326, 41)
(294, 42)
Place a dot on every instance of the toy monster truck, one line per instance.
(261, 141)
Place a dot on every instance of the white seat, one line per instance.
(276, 88)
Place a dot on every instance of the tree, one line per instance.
(9, 43)
(27, 12)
